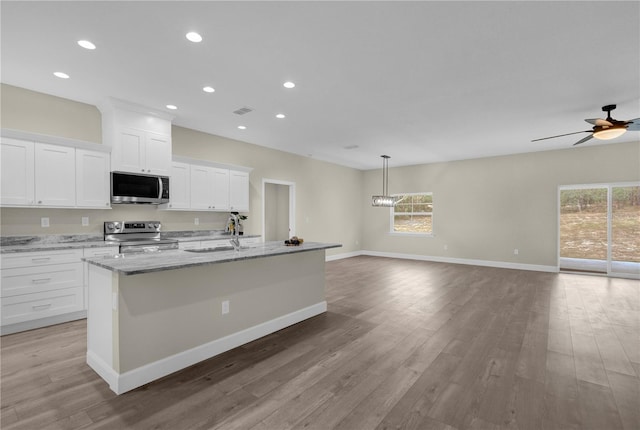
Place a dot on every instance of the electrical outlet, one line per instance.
(85, 221)
(515, 251)
(446, 247)
(225, 307)
(44, 222)
(196, 221)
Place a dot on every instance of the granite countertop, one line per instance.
(9, 244)
(139, 263)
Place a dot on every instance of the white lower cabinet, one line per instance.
(40, 288)
(45, 287)
(36, 306)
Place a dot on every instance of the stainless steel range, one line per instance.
(137, 236)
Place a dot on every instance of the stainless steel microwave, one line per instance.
(136, 188)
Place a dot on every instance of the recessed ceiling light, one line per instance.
(172, 107)
(208, 89)
(194, 37)
(242, 127)
(289, 84)
(86, 44)
(280, 116)
(61, 75)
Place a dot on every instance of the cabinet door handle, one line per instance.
(41, 307)
(41, 280)
(40, 259)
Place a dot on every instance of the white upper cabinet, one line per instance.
(92, 179)
(209, 188)
(220, 196)
(140, 137)
(55, 177)
(158, 154)
(238, 191)
(17, 174)
(36, 174)
(139, 151)
(128, 151)
(180, 186)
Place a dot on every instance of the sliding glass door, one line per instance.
(625, 229)
(599, 229)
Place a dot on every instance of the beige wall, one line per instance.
(22, 109)
(316, 182)
(484, 208)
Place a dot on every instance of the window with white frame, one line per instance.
(413, 214)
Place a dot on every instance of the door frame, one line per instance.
(292, 205)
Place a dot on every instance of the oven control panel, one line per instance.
(115, 227)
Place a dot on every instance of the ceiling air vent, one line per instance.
(242, 110)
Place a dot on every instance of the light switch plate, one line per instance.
(85, 221)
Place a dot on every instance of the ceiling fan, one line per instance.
(603, 129)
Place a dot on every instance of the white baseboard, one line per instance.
(42, 322)
(121, 383)
(343, 255)
(471, 262)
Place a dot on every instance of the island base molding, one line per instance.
(121, 383)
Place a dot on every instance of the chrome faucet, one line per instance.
(235, 240)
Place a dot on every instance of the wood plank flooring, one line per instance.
(404, 345)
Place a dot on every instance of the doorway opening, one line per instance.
(599, 229)
(278, 210)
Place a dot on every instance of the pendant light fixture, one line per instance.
(385, 200)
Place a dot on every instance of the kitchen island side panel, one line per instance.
(161, 314)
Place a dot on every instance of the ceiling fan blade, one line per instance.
(633, 124)
(583, 140)
(599, 121)
(560, 135)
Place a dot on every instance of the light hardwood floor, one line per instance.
(405, 344)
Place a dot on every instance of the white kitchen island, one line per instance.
(152, 314)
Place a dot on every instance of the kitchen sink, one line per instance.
(216, 249)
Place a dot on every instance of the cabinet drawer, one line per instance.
(27, 307)
(40, 258)
(26, 280)
(99, 252)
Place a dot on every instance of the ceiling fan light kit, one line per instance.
(603, 129)
(385, 200)
(610, 132)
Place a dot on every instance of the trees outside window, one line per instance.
(413, 214)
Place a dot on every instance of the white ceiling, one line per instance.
(420, 81)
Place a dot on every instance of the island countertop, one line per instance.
(138, 263)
